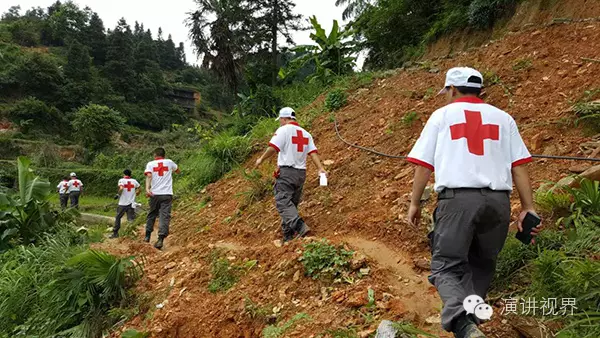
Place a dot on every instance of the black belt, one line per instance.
(450, 192)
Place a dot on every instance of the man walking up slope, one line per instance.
(293, 144)
(476, 152)
(128, 189)
(159, 187)
(74, 189)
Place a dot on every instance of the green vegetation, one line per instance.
(326, 261)
(224, 274)
(336, 99)
(522, 64)
(409, 118)
(259, 188)
(95, 125)
(50, 282)
(587, 110)
(272, 331)
(561, 264)
(409, 330)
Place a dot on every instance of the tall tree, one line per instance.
(277, 17)
(221, 31)
(120, 60)
(78, 71)
(353, 8)
(181, 56)
(168, 54)
(95, 39)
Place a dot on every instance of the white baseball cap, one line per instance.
(287, 112)
(460, 76)
(73, 174)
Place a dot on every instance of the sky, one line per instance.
(170, 15)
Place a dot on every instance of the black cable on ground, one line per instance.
(337, 131)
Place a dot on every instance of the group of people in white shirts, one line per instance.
(159, 190)
(70, 189)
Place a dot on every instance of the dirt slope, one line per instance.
(365, 203)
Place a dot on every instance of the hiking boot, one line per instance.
(466, 327)
(114, 235)
(304, 229)
(147, 238)
(159, 243)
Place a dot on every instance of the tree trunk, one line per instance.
(274, 23)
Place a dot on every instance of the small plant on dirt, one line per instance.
(429, 93)
(326, 261)
(259, 188)
(336, 99)
(224, 274)
(254, 311)
(133, 333)
(273, 331)
(342, 333)
(410, 330)
(490, 78)
(522, 64)
(409, 118)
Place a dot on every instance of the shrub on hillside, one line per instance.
(324, 260)
(336, 99)
(32, 114)
(484, 13)
(95, 125)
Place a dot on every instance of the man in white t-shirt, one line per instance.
(476, 151)
(128, 189)
(63, 196)
(74, 189)
(159, 187)
(293, 145)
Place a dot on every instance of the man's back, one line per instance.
(470, 144)
(74, 185)
(161, 171)
(129, 186)
(293, 144)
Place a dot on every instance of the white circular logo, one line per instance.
(474, 304)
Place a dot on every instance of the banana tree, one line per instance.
(26, 215)
(332, 54)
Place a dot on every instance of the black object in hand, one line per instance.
(529, 222)
(116, 196)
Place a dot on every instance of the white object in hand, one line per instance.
(323, 179)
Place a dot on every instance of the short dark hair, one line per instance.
(159, 152)
(66, 178)
(471, 90)
(127, 172)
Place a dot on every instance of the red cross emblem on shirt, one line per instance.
(475, 132)
(129, 186)
(160, 169)
(300, 140)
(76, 184)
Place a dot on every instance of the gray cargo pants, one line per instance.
(288, 192)
(64, 199)
(160, 206)
(74, 196)
(471, 226)
(121, 210)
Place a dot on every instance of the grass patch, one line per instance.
(409, 118)
(522, 64)
(259, 188)
(273, 331)
(336, 99)
(552, 200)
(224, 274)
(326, 261)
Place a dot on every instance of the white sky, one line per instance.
(170, 15)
